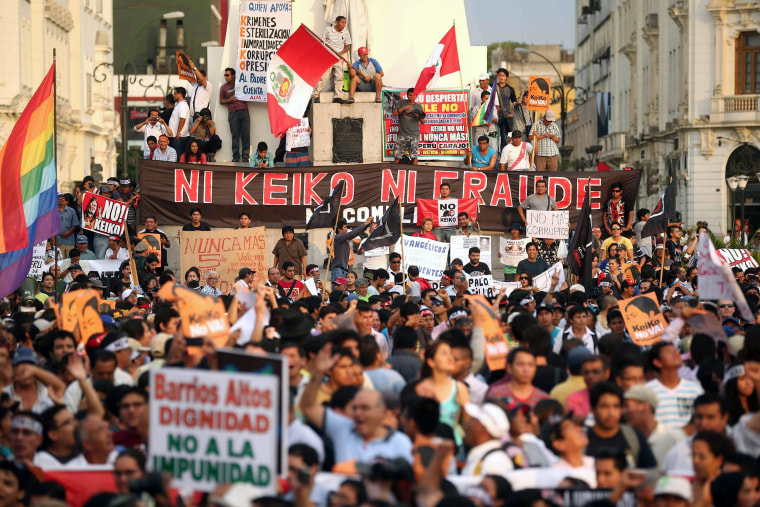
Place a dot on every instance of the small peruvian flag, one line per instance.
(442, 61)
(293, 74)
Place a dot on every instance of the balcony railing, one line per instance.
(735, 108)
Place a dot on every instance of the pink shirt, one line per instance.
(579, 403)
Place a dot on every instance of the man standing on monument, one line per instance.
(506, 96)
(237, 115)
(356, 11)
(410, 117)
(339, 40)
(516, 155)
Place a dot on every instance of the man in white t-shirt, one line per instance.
(516, 154)
(245, 279)
(154, 126)
(179, 123)
(200, 91)
(339, 40)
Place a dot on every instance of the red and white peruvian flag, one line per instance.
(442, 61)
(293, 74)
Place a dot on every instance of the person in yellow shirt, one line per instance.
(619, 240)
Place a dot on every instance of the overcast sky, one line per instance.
(504, 20)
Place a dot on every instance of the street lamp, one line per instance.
(743, 179)
(127, 78)
(592, 155)
(733, 183)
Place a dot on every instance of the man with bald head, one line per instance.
(363, 437)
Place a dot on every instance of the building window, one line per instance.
(748, 63)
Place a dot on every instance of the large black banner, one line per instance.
(282, 195)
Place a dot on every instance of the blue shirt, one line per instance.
(341, 430)
(480, 160)
(371, 61)
(69, 219)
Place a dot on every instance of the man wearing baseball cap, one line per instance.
(366, 76)
(245, 279)
(673, 492)
(547, 137)
(85, 254)
(483, 432)
(640, 406)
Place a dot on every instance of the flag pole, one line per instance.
(55, 158)
(332, 243)
(533, 151)
(332, 50)
(466, 104)
(662, 265)
(132, 267)
(401, 233)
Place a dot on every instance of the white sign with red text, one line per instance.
(716, 280)
(208, 428)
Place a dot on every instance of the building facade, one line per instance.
(684, 81)
(81, 32)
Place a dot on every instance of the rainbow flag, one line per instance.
(485, 113)
(28, 186)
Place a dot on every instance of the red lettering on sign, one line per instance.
(563, 184)
(309, 182)
(501, 191)
(439, 177)
(523, 187)
(271, 188)
(296, 189)
(389, 185)
(184, 187)
(348, 189)
(411, 187)
(581, 192)
(208, 177)
(474, 183)
(241, 180)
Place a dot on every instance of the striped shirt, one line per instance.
(501, 393)
(675, 406)
(546, 147)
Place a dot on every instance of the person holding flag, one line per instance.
(484, 122)
(523, 118)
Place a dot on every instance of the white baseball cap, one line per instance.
(483, 77)
(491, 416)
(674, 486)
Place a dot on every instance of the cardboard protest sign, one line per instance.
(736, 257)
(496, 354)
(264, 25)
(201, 315)
(482, 285)
(79, 313)
(544, 281)
(460, 247)
(153, 240)
(212, 427)
(716, 280)
(643, 319)
(428, 255)
(445, 212)
(103, 215)
(539, 91)
(184, 70)
(225, 251)
(298, 136)
(38, 266)
(512, 250)
(547, 224)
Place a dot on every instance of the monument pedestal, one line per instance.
(364, 107)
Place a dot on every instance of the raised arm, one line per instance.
(317, 367)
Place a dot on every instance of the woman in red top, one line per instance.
(427, 230)
(193, 154)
